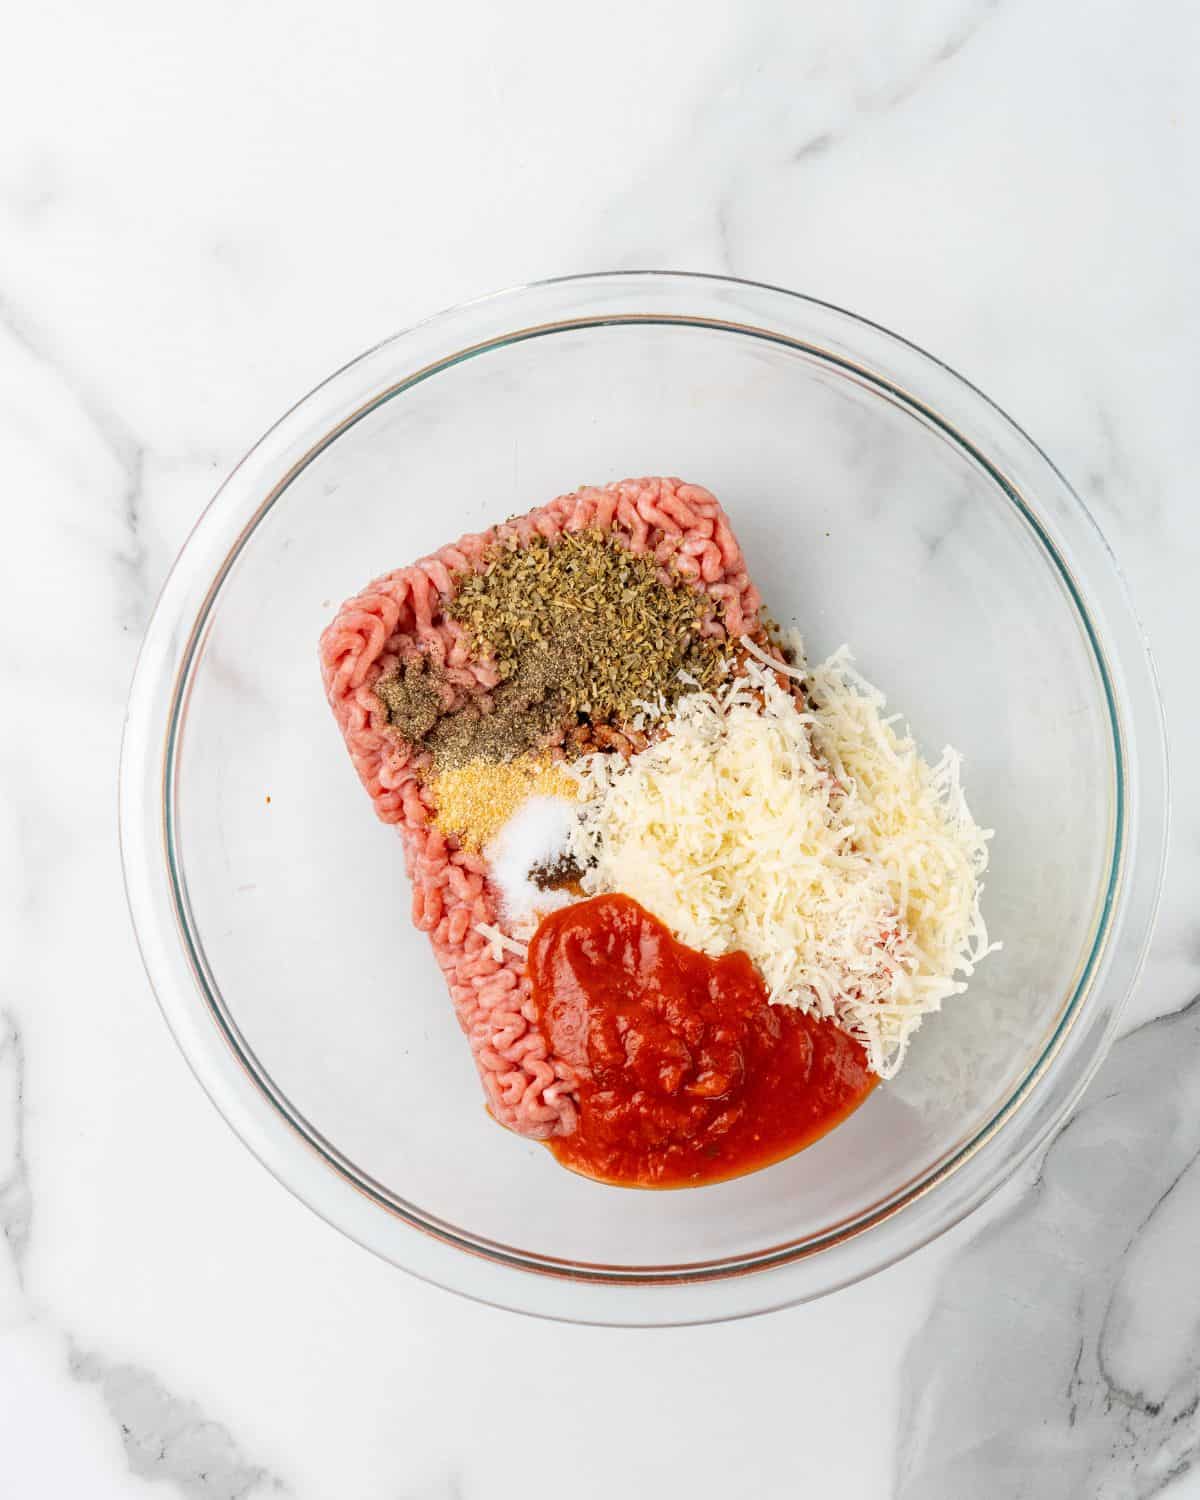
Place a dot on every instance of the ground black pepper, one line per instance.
(556, 874)
(414, 696)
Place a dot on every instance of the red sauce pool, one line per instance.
(686, 1074)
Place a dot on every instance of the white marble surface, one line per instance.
(204, 210)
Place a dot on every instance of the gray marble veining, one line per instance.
(16, 1201)
(127, 451)
(165, 1437)
(169, 1439)
(1061, 1357)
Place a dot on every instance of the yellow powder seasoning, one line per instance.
(475, 801)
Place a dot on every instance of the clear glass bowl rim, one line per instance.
(310, 1166)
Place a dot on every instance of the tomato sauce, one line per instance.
(686, 1074)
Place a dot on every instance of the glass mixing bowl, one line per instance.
(881, 501)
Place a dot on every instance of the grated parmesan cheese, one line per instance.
(816, 840)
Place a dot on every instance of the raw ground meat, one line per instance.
(403, 614)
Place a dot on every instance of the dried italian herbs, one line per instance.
(591, 619)
(581, 631)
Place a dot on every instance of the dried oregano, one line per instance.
(581, 631)
(595, 619)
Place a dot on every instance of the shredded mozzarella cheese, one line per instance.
(814, 839)
(499, 941)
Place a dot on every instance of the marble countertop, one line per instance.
(202, 212)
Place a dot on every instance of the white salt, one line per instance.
(536, 834)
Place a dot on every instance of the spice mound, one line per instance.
(592, 626)
(475, 801)
(580, 630)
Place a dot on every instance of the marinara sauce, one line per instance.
(686, 1074)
